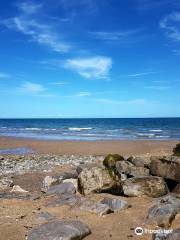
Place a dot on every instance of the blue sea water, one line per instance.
(92, 129)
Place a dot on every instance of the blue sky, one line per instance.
(90, 58)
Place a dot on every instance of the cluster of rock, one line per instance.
(155, 177)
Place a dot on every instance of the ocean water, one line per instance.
(92, 129)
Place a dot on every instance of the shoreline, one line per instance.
(103, 147)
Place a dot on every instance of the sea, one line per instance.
(92, 129)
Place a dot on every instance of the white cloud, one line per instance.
(27, 23)
(97, 67)
(113, 36)
(119, 102)
(32, 88)
(140, 74)
(59, 83)
(4, 75)
(171, 25)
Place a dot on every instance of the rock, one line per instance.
(97, 179)
(17, 188)
(5, 182)
(61, 188)
(129, 169)
(176, 150)
(174, 235)
(111, 159)
(176, 190)
(164, 211)
(44, 217)
(94, 207)
(140, 161)
(64, 199)
(18, 195)
(83, 166)
(149, 186)
(167, 167)
(49, 181)
(73, 181)
(115, 204)
(59, 230)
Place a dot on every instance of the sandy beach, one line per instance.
(90, 148)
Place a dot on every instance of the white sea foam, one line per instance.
(155, 130)
(79, 129)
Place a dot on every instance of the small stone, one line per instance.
(115, 204)
(5, 182)
(94, 207)
(17, 188)
(73, 181)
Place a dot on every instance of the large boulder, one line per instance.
(128, 168)
(140, 161)
(149, 186)
(59, 230)
(111, 159)
(97, 179)
(167, 167)
(163, 212)
(176, 150)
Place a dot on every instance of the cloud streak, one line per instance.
(27, 23)
(4, 75)
(140, 74)
(97, 67)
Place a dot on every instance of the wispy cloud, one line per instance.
(119, 102)
(176, 52)
(27, 22)
(4, 75)
(59, 83)
(150, 4)
(32, 88)
(171, 25)
(114, 36)
(140, 74)
(161, 88)
(97, 67)
(82, 94)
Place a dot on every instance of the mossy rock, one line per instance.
(111, 159)
(176, 150)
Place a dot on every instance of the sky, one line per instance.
(89, 58)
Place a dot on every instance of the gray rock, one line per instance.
(129, 169)
(97, 179)
(164, 211)
(44, 217)
(65, 199)
(140, 161)
(115, 204)
(61, 188)
(176, 190)
(149, 186)
(94, 207)
(6, 182)
(175, 235)
(15, 195)
(59, 230)
(167, 167)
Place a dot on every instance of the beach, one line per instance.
(125, 147)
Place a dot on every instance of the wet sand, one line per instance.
(131, 147)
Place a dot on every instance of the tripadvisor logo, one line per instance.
(139, 231)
